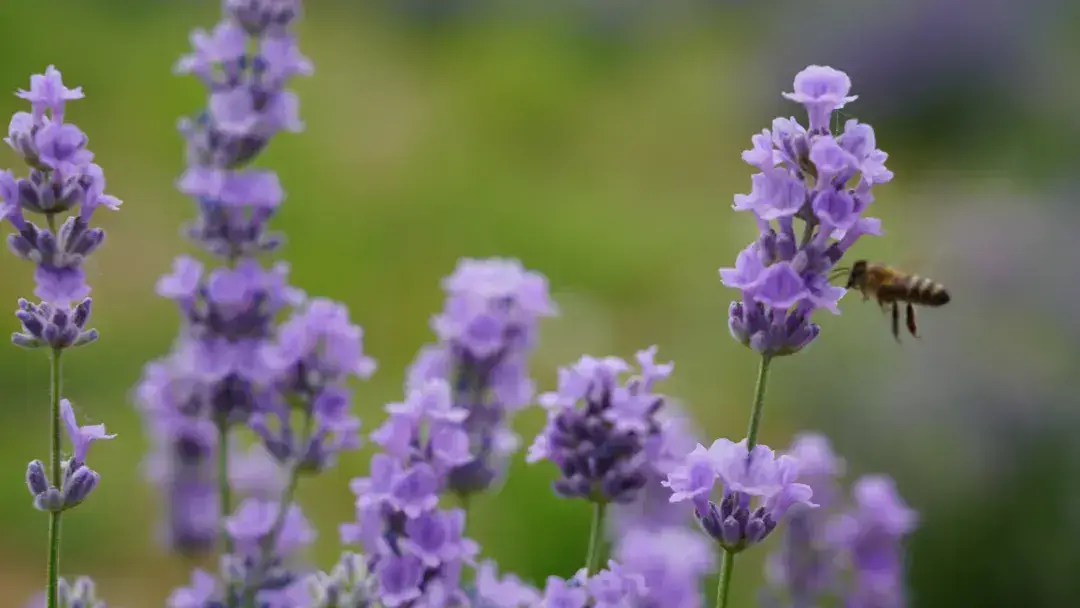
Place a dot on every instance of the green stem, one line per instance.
(224, 490)
(727, 564)
(52, 570)
(592, 558)
(268, 541)
(759, 402)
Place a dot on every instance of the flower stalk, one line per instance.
(727, 562)
(592, 558)
(53, 567)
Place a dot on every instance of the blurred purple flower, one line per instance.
(805, 175)
(506, 592)
(665, 451)
(871, 533)
(838, 551)
(487, 332)
(416, 550)
(598, 430)
(671, 563)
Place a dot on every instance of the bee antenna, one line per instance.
(839, 272)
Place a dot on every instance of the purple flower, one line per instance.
(417, 550)
(599, 430)
(506, 592)
(62, 178)
(872, 533)
(54, 327)
(81, 436)
(825, 183)
(400, 578)
(671, 563)
(203, 591)
(47, 92)
(487, 332)
(745, 475)
(851, 553)
(78, 480)
(253, 522)
(822, 90)
(558, 594)
(652, 510)
(806, 568)
(316, 352)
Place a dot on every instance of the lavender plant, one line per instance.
(62, 180)
(850, 552)
(246, 407)
(603, 435)
(825, 182)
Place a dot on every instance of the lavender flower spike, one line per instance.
(487, 331)
(737, 522)
(220, 371)
(806, 569)
(872, 533)
(825, 182)
(62, 179)
(598, 430)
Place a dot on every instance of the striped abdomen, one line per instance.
(923, 291)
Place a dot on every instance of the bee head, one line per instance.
(858, 272)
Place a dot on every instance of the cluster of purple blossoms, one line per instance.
(825, 181)
(416, 551)
(606, 447)
(759, 489)
(487, 331)
(62, 179)
(654, 570)
(842, 550)
(257, 529)
(225, 365)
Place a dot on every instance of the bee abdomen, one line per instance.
(926, 292)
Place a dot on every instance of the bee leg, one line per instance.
(912, 328)
(896, 321)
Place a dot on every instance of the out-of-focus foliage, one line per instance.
(599, 142)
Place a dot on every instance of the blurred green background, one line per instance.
(598, 141)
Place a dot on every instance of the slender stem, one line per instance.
(727, 563)
(592, 558)
(224, 489)
(727, 566)
(52, 570)
(251, 587)
(759, 402)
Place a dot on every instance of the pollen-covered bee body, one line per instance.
(891, 287)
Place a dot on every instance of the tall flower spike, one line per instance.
(417, 551)
(759, 489)
(220, 372)
(871, 533)
(806, 568)
(820, 179)
(487, 332)
(62, 179)
(599, 432)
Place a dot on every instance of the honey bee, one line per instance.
(891, 287)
